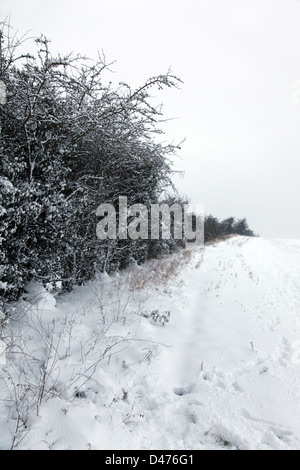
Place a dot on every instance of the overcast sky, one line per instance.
(239, 106)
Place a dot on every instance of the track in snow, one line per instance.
(232, 376)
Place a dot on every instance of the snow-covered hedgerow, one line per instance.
(71, 141)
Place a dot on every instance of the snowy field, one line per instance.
(195, 352)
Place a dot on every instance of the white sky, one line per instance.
(239, 112)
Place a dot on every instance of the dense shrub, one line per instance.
(70, 142)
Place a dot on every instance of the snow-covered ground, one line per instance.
(221, 370)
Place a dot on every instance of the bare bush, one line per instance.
(159, 272)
